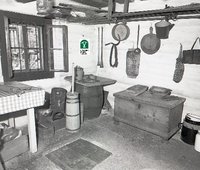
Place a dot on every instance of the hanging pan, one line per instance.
(150, 44)
(120, 32)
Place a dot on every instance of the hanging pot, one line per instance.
(162, 29)
(150, 44)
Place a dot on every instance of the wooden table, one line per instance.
(99, 81)
(92, 94)
(16, 96)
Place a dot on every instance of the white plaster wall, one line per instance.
(157, 69)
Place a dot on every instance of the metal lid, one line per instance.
(193, 117)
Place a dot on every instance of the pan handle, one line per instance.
(98, 62)
(101, 61)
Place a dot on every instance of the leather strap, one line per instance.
(114, 48)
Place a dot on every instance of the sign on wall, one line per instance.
(84, 47)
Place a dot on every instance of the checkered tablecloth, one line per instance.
(16, 96)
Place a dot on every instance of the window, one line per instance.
(29, 49)
(57, 40)
(33, 48)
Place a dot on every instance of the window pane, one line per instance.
(33, 36)
(18, 59)
(35, 50)
(58, 60)
(58, 37)
(35, 59)
(16, 35)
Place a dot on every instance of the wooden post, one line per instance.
(32, 130)
(11, 122)
(126, 6)
(111, 8)
(73, 77)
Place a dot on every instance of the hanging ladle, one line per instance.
(137, 50)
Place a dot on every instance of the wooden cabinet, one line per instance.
(155, 114)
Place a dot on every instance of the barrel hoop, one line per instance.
(191, 126)
(72, 115)
(72, 102)
(74, 129)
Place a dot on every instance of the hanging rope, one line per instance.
(113, 48)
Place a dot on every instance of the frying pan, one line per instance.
(150, 44)
(120, 32)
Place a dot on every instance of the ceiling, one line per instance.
(99, 11)
(93, 3)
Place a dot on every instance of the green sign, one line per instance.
(84, 44)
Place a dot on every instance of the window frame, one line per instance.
(7, 72)
(64, 48)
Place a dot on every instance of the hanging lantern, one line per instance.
(44, 6)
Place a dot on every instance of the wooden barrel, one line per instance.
(92, 99)
(72, 112)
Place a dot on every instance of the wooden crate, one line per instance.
(148, 112)
(14, 148)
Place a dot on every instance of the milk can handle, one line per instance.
(180, 125)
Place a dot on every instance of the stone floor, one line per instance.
(131, 148)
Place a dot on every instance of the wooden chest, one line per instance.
(155, 114)
(14, 148)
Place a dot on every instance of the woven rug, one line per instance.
(78, 155)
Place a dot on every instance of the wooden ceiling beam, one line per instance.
(98, 21)
(81, 9)
(168, 11)
(111, 8)
(25, 1)
(94, 3)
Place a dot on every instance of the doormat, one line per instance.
(78, 155)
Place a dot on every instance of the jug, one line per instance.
(79, 73)
(162, 29)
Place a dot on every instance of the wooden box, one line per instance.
(152, 113)
(14, 148)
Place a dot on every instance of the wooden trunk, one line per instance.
(155, 114)
(14, 148)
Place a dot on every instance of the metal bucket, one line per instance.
(72, 112)
(197, 142)
(190, 128)
(162, 29)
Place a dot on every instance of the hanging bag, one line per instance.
(192, 56)
(179, 68)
